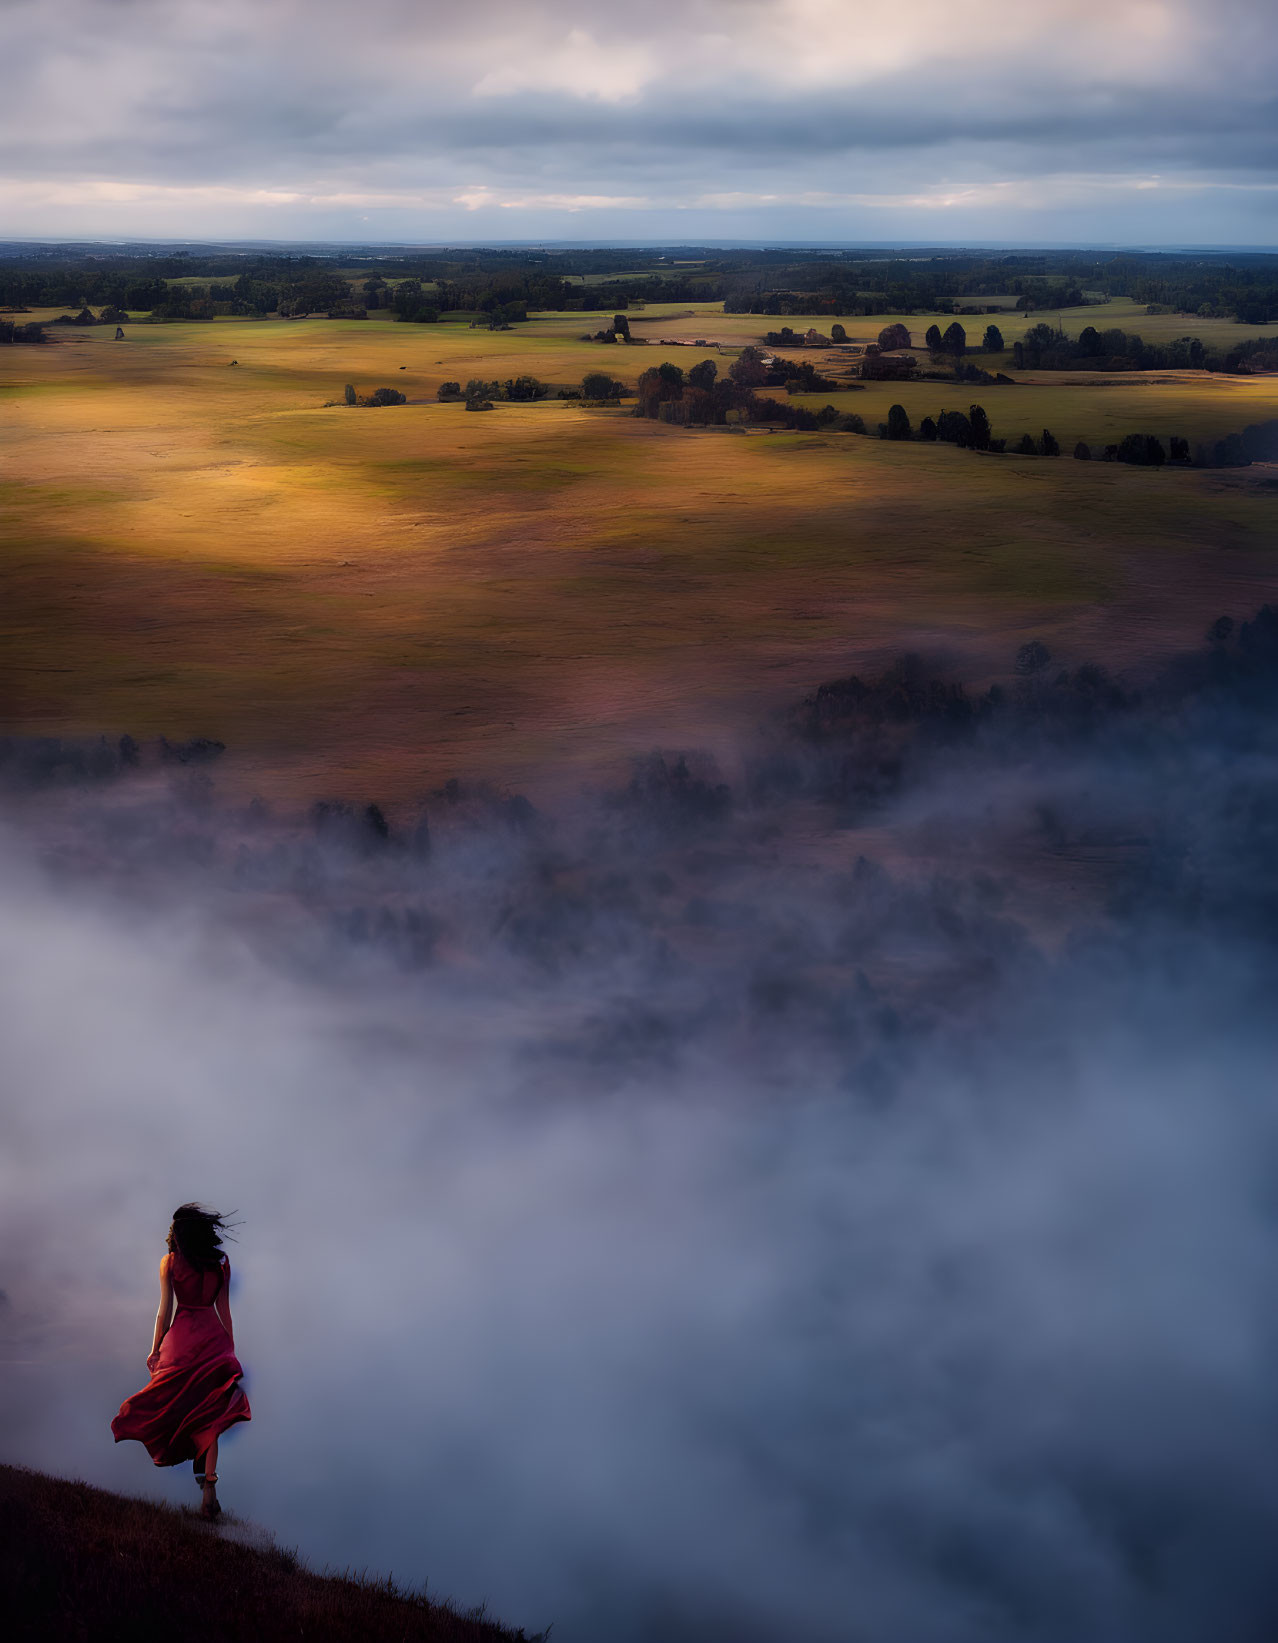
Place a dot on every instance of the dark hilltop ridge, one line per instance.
(82, 1565)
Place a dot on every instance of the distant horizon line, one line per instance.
(650, 243)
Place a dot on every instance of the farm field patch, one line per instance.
(1195, 405)
(683, 322)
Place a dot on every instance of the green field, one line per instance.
(368, 601)
(1191, 404)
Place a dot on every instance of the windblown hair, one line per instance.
(196, 1235)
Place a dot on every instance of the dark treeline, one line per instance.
(516, 390)
(923, 286)
(971, 430)
(415, 286)
(1044, 347)
(1258, 442)
(1205, 285)
(449, 280)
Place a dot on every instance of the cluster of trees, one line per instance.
(948, 344)
(79, 286)
(779, 304)
(599, 385)
(898, 336)
(110, 315)
(1048, 295)
(811, 338)
(1244, 288)
(802, 377)
(970, 431)
(477, 392)
(12, 331)
(701, 397)
(618, 331)
(317, 291)
(752, 369)
(1258, 442)
(247, 295)
(410, 301)
(1254, 355)
(880, 367)
(379, 396)
(252, 292)
(1044, 347)
(52, 761)
(211, 302)
(244, 296)
(638, 290)
(406, 300)
(952, 342)
(884, 362)
(1140, 450)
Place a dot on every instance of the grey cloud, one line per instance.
(282, 96)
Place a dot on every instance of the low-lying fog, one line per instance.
(841, 1208)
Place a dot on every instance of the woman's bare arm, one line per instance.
(164, 1315)
(222, 1309)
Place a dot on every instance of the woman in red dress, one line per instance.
(194, 1393)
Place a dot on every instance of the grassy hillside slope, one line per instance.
(85, 1566)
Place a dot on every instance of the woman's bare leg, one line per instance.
(210, 1505)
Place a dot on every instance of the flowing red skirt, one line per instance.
(194, 1394)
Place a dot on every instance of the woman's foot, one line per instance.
(210, 1507)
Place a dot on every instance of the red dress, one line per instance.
(194, 1392)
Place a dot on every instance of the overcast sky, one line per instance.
(1137, 121)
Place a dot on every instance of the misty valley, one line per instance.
(850, 1153)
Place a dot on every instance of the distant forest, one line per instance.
(506, 284)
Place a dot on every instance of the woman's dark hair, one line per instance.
(196, 1234)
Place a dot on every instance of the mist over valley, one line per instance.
(838, 1198)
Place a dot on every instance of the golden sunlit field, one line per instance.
(366, 601)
